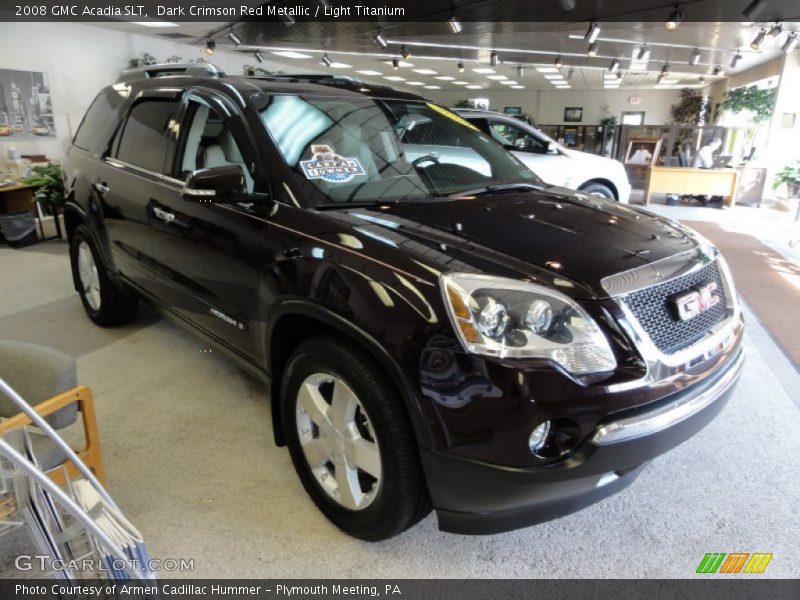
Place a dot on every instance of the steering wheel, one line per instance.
(426, 158)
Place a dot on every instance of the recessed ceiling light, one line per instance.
(444, 78)
(547, 70)
(433, 87)
(338, 65)
(483, 70)
(425, 71)
(517, 87)
(400, 63)
(291, 54)
(460, 82)
(474, 87)
(394, 78)
(551, 77)
(368, 72)
(496, 77)
(509, 82)
(156, 24)
(414, 83)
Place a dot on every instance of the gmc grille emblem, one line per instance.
(697, 301)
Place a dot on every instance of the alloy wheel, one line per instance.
(87, 271)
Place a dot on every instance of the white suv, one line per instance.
(551, 161)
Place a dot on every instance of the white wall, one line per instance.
(547, 106)
(80, 60)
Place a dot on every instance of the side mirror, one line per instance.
(217, 184)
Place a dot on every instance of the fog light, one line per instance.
(538, 438)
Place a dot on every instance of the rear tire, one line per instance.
(362, 470)
(105, 303)
(599, 189)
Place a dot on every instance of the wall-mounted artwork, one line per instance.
(26, 108)
(573, 114)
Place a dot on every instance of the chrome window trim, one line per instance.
(667, 416)
(115, 162)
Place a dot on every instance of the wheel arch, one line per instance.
(295, 321)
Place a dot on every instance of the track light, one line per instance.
(644, 53)
(592, 33)
(791, 43)
(406, 54)
(520, 71)
(717, 71)
(674, 19)
(665, 70)
(211, 45)
(701, 80)
(735, 60)
(567, 5)
(258, 56)
(326, 60)
(395, 64)
(695, 57)
(494, 59)
(775, 30)
(614, 66)
(570, 73)
(455, 25)
(380, 41)
(619, 75)
(753, 9)
(759, 39)
(558, 62)
(592, 50)
(234, 38)
(460, 67)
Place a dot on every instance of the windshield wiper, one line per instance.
(498, 189)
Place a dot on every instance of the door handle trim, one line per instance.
(163, 215)
(101, 188)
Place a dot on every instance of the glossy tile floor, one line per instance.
(189, 456)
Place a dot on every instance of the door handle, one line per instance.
(101, 188)
(165, 216)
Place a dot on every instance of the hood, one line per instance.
(556, 232)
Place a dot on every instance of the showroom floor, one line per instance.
(189, 457)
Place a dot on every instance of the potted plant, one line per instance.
(47, 178)
(789, 175)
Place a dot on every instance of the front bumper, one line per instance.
(475, 497)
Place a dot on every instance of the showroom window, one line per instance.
(143, 140)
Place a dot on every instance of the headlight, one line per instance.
(494, 316)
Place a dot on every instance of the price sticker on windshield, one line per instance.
(325, 164)
(453, 116)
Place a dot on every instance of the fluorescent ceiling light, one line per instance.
(425, 71)
(483, 70)
(433, 87)
(156, 24)
(368, 72)
(338, 65)
(414, 83)
(551, 77)
(517, 87)
(496, 77)
(547, 70)
(394, 78)
(460, 82)
(669, 81)
(444, 78)
(474, 87)
(509, 82)
(291, 54)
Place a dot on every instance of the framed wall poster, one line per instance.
(643, 152)
(513, 110)
(26, 108)
(573, 114)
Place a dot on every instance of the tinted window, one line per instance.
(509, 134)
(99, 122)
(144, 138)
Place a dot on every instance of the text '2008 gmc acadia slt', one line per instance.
(454, 335)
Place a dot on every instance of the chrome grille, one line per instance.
(651, 307)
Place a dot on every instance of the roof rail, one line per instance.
(170, 70)
(311, 78)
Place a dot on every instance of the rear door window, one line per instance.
(100, 121)
(144, 139)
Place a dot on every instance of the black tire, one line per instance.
(599, 189)
(116, 306)
(402, 498)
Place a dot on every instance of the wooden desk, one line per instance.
(16, 197)
(690, 181)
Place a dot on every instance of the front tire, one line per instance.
(599, 189)
(104, 302)
(351, 441)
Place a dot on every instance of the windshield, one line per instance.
(363, 150)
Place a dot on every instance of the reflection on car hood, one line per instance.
(572, 236)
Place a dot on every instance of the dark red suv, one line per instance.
(438, 327)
